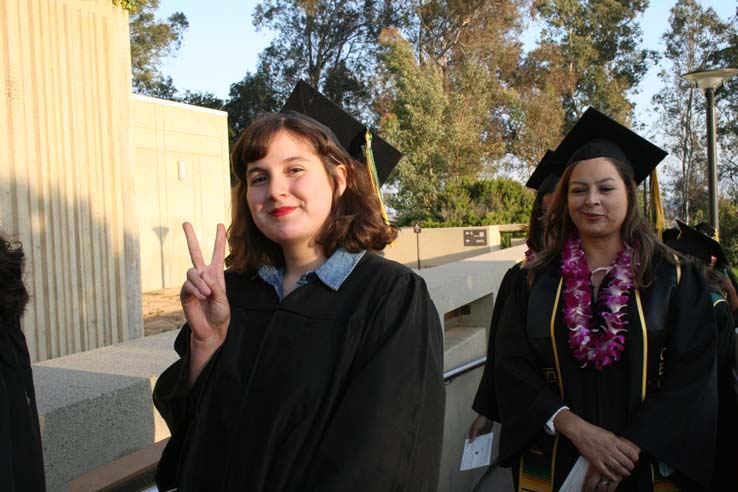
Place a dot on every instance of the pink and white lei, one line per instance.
(604, 346)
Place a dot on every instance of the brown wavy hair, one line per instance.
(13, 293)
(355, 222)
(635, 231)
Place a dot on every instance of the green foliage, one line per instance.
(415, 120)
(151, 40)
(729, 229)
(249, 98)
(328, 43)
(478, 203)
(596, 44)
(126, 4)
(695, 34)
(727, 102)
(202, 99)
(443, 96)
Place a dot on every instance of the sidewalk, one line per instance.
(161, 311)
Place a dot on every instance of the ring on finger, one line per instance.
(603, 484)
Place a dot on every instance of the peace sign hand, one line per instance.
(204, 300)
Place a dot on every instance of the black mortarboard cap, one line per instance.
(706, 229)
(546, 174)
(349, 132)
(669, 234)
(694, 243)
(596, 135)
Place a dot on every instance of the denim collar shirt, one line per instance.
(332, 273)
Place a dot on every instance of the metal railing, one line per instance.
(451, 374)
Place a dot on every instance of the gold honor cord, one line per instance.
(656, 211)
(373, 173)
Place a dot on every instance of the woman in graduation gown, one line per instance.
(609, 353)
(21, 459)
(312, 363)
(543, 181)
(709, 257)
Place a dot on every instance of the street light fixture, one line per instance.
(709, 81)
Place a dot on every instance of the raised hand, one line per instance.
(204, 300)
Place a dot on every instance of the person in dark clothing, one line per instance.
(608, 354)
(706, 253)
(543, 181)
(21, 458)
(311, 363)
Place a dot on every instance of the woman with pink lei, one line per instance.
(606, 358)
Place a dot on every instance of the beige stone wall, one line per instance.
(438, 246)
(167, 136)
(66, 189)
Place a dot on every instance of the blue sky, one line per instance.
(222, 44)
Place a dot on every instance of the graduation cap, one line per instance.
(669, 234)
(546, 174)
(694, 243)
(596, 135)
(349, 132)
(706, 229)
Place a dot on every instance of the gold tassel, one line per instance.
(373, 173)
(655, 209)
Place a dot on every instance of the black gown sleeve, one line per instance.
(485, 401)
(525, 400)
(21, 458)
(177, 404)
(387, 432)
(726, 335)
(677, 423)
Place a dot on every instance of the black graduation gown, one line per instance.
(670, 413)
(726, 459)
(325, 391)
(485, 402)
(21, 458)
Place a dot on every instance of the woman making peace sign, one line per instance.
(311, 363)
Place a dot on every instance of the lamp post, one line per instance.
(709, 81)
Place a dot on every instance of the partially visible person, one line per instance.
(705, 252)
(720, 264)
(21, 458)
(543, 181)
(609, 353)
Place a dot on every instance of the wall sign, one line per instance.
(475, 237)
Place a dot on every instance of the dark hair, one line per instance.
(536, 222)
(355, 222)
(13, 293)
(635, 231)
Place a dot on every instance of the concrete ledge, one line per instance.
(456, 284)
(96, 406)
(131, 472)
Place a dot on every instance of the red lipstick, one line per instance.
(279, 212)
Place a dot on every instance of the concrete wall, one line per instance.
(166, 134)
(96, 406)
(66, 188)
(472, 283)
(438, 245)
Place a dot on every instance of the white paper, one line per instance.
(477, 453)
(575, 480)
